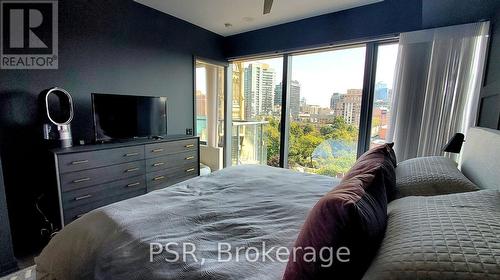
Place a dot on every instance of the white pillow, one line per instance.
(427, 176)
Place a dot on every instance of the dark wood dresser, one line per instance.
(92, 176)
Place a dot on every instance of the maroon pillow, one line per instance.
(353, 215)
(383, 157)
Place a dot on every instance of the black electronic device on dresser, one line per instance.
(92, 176)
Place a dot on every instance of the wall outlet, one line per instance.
(189, 131)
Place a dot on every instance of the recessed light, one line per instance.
(228, 25)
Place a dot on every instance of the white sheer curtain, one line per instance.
(437, 85)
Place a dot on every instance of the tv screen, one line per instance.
(119, 117)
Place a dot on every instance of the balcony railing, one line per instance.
(249, 142)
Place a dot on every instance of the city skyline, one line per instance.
(315, 71)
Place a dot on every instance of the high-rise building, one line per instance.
(260, 82)
(303, 104)
(334, 100)
(238, 91)
(294, 98)
(349, 106)
(278, 93)
(381, 92)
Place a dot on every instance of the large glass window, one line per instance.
(256, 111)
(325, 105)
(210, 112)
(382, 99)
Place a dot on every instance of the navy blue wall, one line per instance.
(111, 46)
(375, 20)
(384, 18)
(436, 13)
(489, 115)
(7, 260)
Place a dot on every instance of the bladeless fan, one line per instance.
(58, 116)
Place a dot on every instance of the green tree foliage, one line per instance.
(304, 138)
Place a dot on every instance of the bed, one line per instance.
(243, 206)
(453, 236)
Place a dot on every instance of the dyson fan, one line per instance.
(57, 116)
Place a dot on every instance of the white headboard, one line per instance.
(481, 157)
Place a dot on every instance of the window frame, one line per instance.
(225, 66)
(368, 91)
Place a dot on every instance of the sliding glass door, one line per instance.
(316, 117)
(325, 93)
(256, 111)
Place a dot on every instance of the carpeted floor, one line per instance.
(25, 274)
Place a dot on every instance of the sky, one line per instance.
(321, 74)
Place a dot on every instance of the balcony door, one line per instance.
(256, 111)
(209, 112)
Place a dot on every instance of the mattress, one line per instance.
(243, 206)
(443, 237)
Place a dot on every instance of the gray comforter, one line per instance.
(242, 206)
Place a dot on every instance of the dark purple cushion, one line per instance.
(352, 215)
(382, 157)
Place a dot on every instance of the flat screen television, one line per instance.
(123, 117)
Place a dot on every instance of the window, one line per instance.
(209, 100)
(325, 95)
(256, 111)
(382, 94)
(330, 115)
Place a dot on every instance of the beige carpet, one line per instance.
(27, 273)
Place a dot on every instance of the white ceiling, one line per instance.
(246, 15)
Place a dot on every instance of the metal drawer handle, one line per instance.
(190, 170)
(157, 150)
(189, 146)
(79, 162)
(158, 178)
(81, 180)
(158, 164)
(133, 184)
(189, 158)
(131, 169)
(131, 154)
(83, 197)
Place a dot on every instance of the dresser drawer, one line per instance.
(174, 147)
(170, 161)
(81, 161)
(92, 194)
(75, 213)
(91, 177)
(163, 177)
(171, 182)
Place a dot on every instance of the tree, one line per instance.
(307, 143)
(273, 142)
